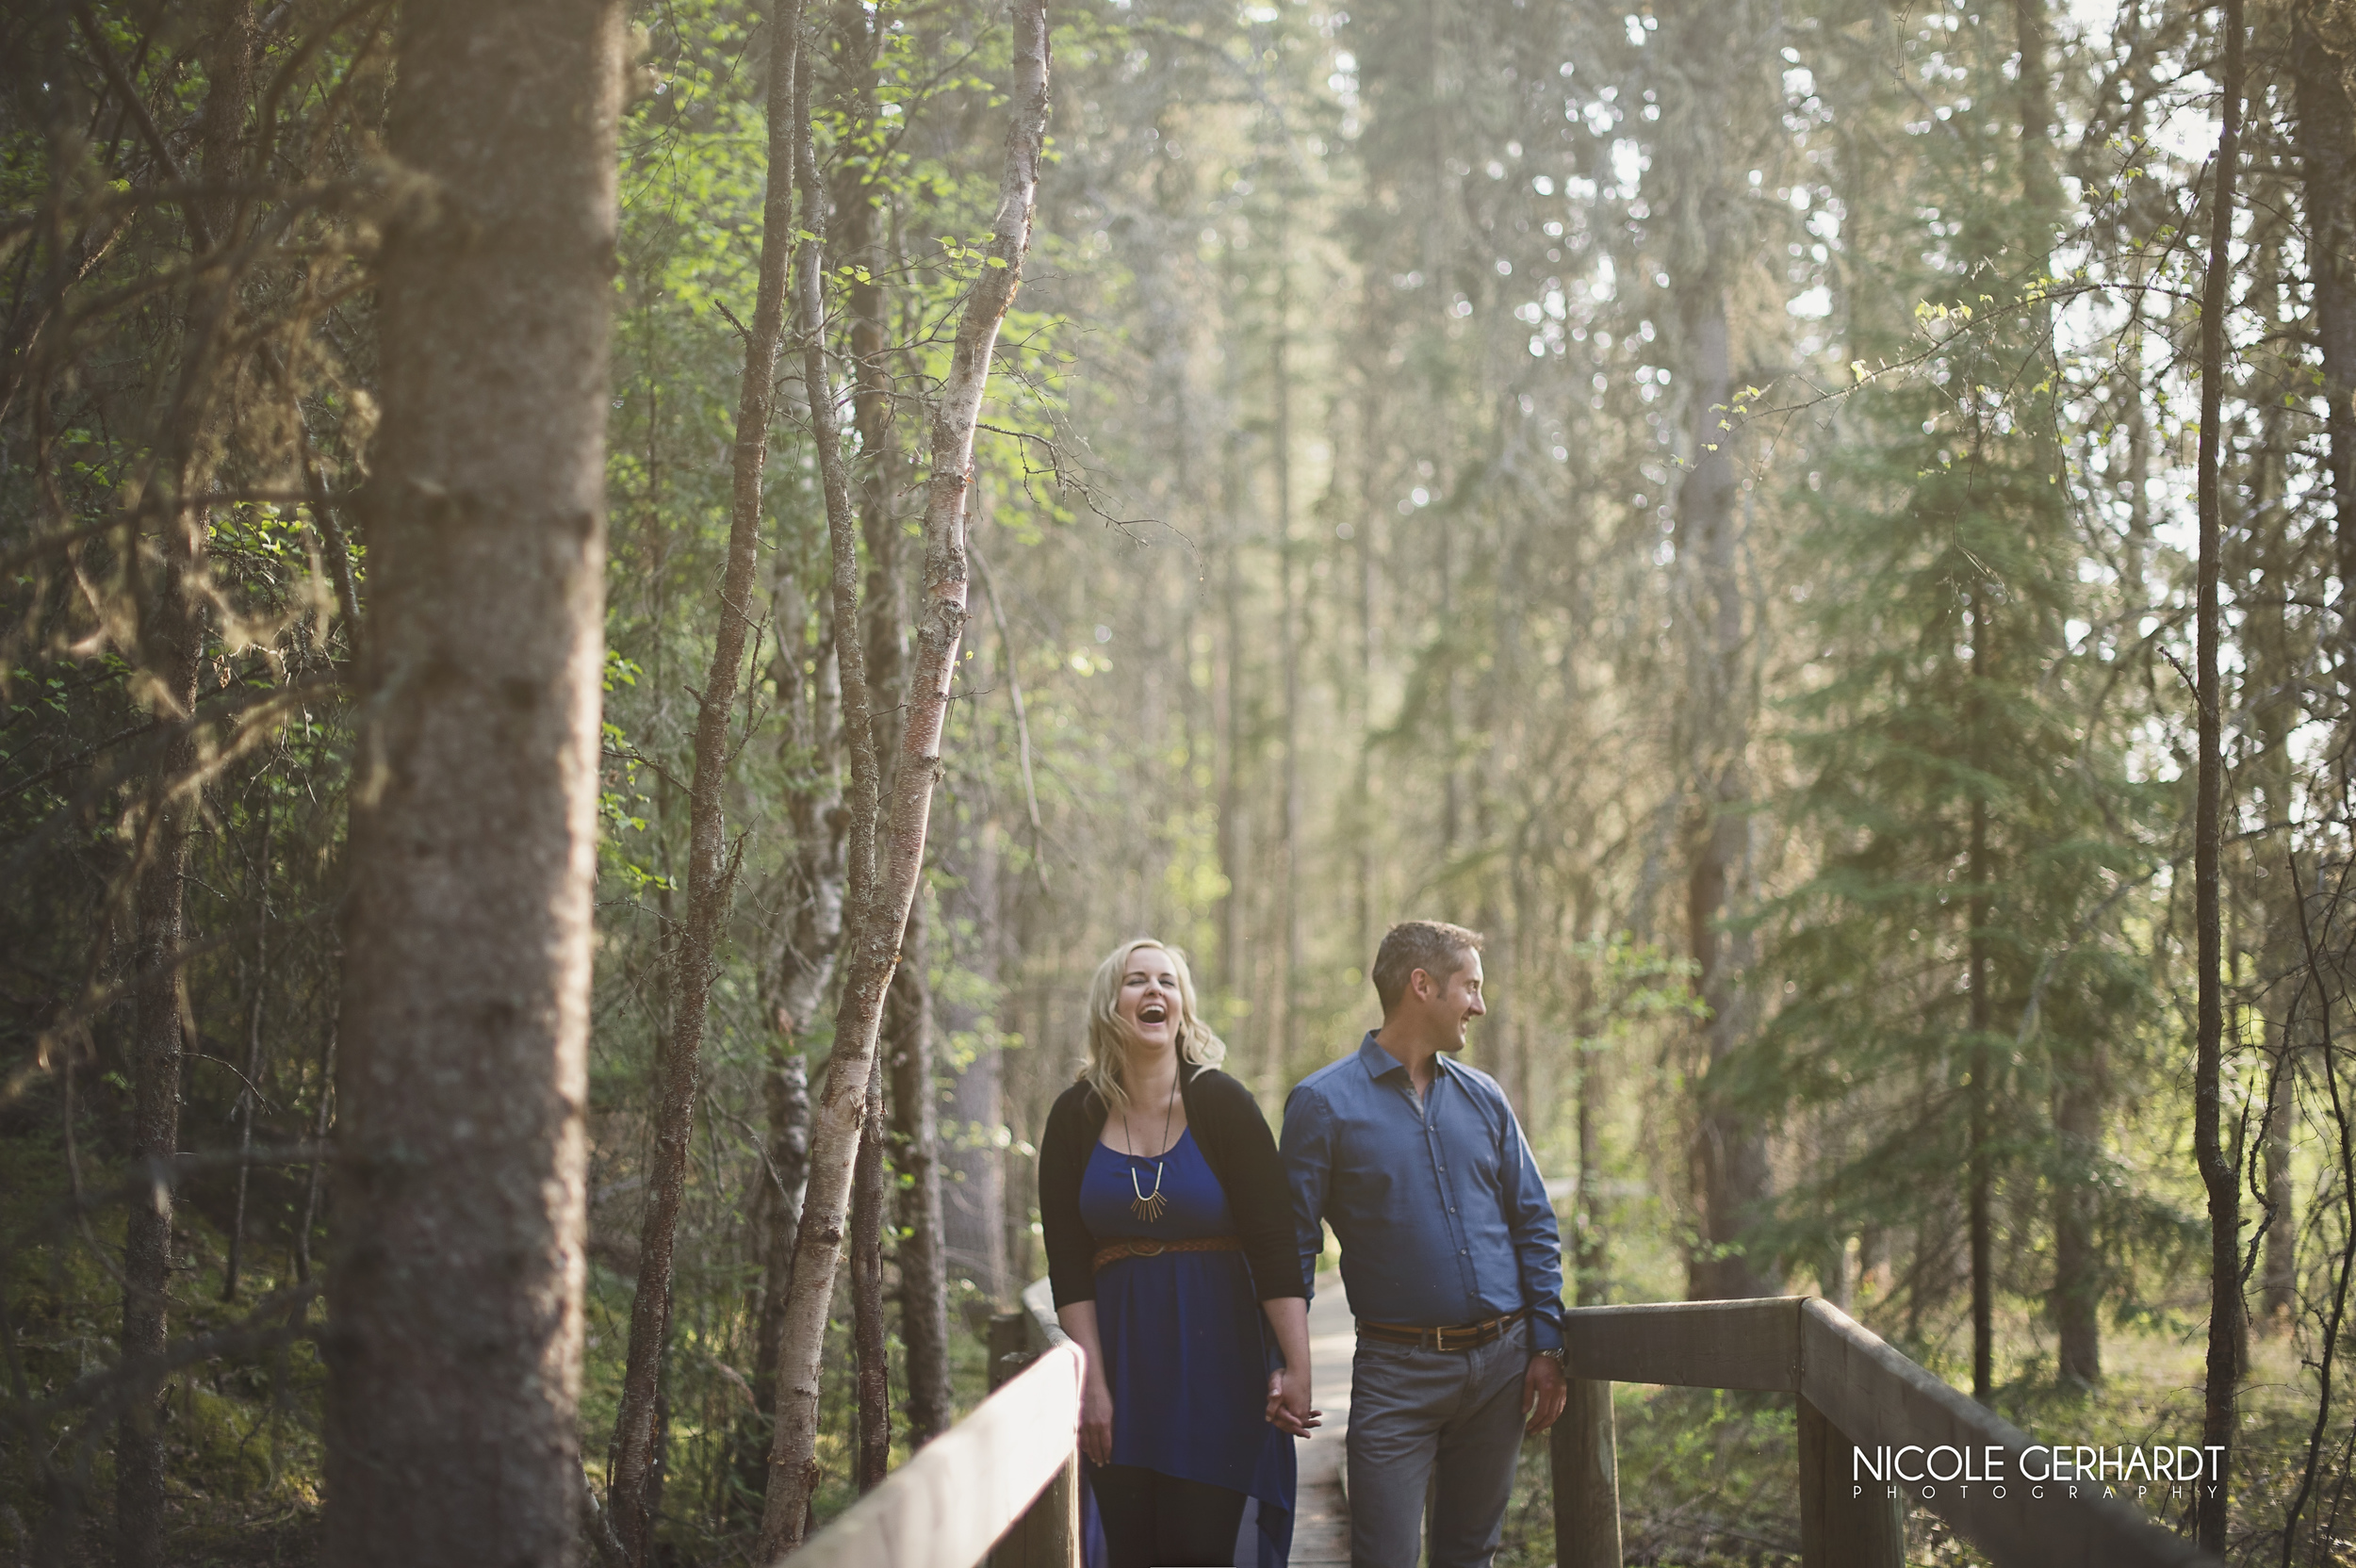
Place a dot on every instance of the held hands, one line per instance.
(1543, 1393)
(1096, 1417)
(1288, 1408)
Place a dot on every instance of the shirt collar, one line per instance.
(1378, 1061)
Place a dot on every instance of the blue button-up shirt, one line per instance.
(1441, 1213)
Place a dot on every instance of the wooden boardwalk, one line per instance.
(1002, 1486)
(1321, 1520)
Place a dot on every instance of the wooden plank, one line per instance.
(1753, 1345)
(946, 1507)
(1838, 1527)
(1584, 1455)
(1878, 1398)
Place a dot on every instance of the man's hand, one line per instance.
(1543, 1393)
(1288, 1408)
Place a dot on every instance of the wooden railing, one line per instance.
(1853, 1391)
(1004, 1484)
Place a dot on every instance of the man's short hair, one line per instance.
(1432, 946)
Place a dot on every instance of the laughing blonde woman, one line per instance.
(1170, 1247)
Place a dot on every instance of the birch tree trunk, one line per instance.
(916, 1165)
(881, 890)
(801, 964)
(456, 1300)
(710, 870)
(872, 1373)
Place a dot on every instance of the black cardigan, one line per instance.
(1236, 1144)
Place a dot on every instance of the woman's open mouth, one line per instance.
(1153, 1012)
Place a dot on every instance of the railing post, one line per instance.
(1838, 1528)
(1010, 1346)
(1584, 1455)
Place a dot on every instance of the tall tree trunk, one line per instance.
(248, 1090)
(171, 648)
(2217, 1174)
(801, 963)
(455, 1299)
(1589, 1257)
(2077, 1262)
(2278, 1272)
(2271, 660)
(974, 1190)
(1362, 792)
(916, 1162)
(795, 980)
(907, 1032)
(711, 868)
(1981, 1182)
(1234, 823)
(882, 890)
(1733, 1152)
(1284, 1039)
(872, 1385)
(906, 1046)
(2319, 60)
(315, 1173)
(785, 1096)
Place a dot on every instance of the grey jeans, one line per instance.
(1449, 1421)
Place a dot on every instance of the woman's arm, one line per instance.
(1288, 1390)
(1096, 1392)
(1242, 1154)
(1063, 1156)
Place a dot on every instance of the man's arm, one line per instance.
(1538, 1246)
(1307, 1147)
(1537, 1241)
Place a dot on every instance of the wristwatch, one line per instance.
(1555, 1356)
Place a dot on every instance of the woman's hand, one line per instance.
(1096, 1417)
(1288, 1408)
(1096, 1394)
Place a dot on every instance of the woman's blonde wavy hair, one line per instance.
(1108, 1033)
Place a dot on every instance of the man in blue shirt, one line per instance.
(1450, 1254)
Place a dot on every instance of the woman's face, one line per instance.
(1149, 1000)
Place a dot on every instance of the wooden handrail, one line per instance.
(1853, 1391)
(1004, 1478)
(1003, 1484)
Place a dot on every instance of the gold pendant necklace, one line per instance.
(1148, 1206)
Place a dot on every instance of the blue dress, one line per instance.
(1186, 1346)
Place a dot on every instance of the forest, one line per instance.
(605, 609)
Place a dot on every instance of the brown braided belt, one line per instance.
(1145, 1247)
(1461, 1336)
